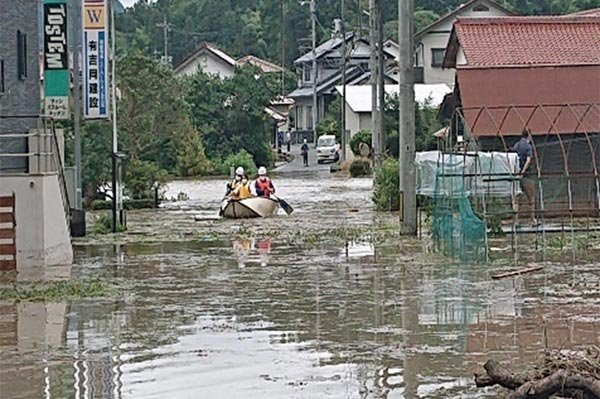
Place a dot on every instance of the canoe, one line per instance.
(253, 207)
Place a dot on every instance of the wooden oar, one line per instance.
(284, 205)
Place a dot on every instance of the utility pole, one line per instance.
(166, 29)
(408, 199)
(380, 82)
(343, 124)
(76, 95)
(116, 181)
(374, 83)
(315, 111)
(282, 37)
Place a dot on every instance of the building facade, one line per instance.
(431, 42)
(30, 168)
(209, 59)
(19, 78)
(329, 75)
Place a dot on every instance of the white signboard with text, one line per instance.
(95, 59)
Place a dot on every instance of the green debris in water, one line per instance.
(54, 291)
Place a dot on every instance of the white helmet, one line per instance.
(262, 171)
(239, 171)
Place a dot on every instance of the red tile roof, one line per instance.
(526, 41)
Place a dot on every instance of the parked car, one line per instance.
(327, 149)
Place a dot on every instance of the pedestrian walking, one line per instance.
(288, 141)
(304, 152)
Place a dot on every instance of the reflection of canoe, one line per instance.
(253, 207)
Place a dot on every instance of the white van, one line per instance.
(327, 149)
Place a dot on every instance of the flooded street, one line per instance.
(326, 303)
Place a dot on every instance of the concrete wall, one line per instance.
(43, 237)
(208, 63)
(21, 96)
(438, 38)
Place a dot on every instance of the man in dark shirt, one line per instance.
(524, 151)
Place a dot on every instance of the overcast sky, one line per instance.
(128, 3)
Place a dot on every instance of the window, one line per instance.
(309, 121)
(1, 76)
(21, 55)
(307, 73)
(437, 57)
(299, 117)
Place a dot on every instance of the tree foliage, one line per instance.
(258, 27)
(231, 112)
(154, 128)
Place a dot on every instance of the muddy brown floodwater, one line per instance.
(327, 303)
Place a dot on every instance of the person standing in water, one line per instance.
(304, 152)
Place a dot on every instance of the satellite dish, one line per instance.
(364, 149)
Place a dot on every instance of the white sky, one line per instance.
(128, 3)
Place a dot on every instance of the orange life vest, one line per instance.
(264, 186)
(243, 190)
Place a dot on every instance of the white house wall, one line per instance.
(365, 121)
(210, 64)
(438, 37)
(352, 121)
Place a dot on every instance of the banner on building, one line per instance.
(95, 59)
(56, 63)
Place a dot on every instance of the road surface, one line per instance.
(297, 166)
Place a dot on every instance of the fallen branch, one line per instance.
(517, 272)
(559, 383)
(567, 374)
(499, 375)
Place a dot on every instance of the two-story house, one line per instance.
(329, 75)
(431, 42)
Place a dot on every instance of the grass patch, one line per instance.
(104, 225)
(53, 291)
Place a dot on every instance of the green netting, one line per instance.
(456, 230)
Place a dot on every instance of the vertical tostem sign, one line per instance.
(95, 59)
(56, 64)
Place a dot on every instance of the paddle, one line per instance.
(284, 205)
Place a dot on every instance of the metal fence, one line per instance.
(35, 152)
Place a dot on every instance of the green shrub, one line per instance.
(100, 205)
(329, 126)
(362, 136)
(242, 158)
(387, 186)
(392, 145)
(140, 177)
(145, 203)
(104, 225)
(360, 167)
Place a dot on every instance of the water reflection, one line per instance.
(251, 250)
(328, 320)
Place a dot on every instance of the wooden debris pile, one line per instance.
(562, 374)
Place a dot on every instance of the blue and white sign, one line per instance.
(95, 59)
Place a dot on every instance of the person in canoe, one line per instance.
(263, 185)
(239, 188)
